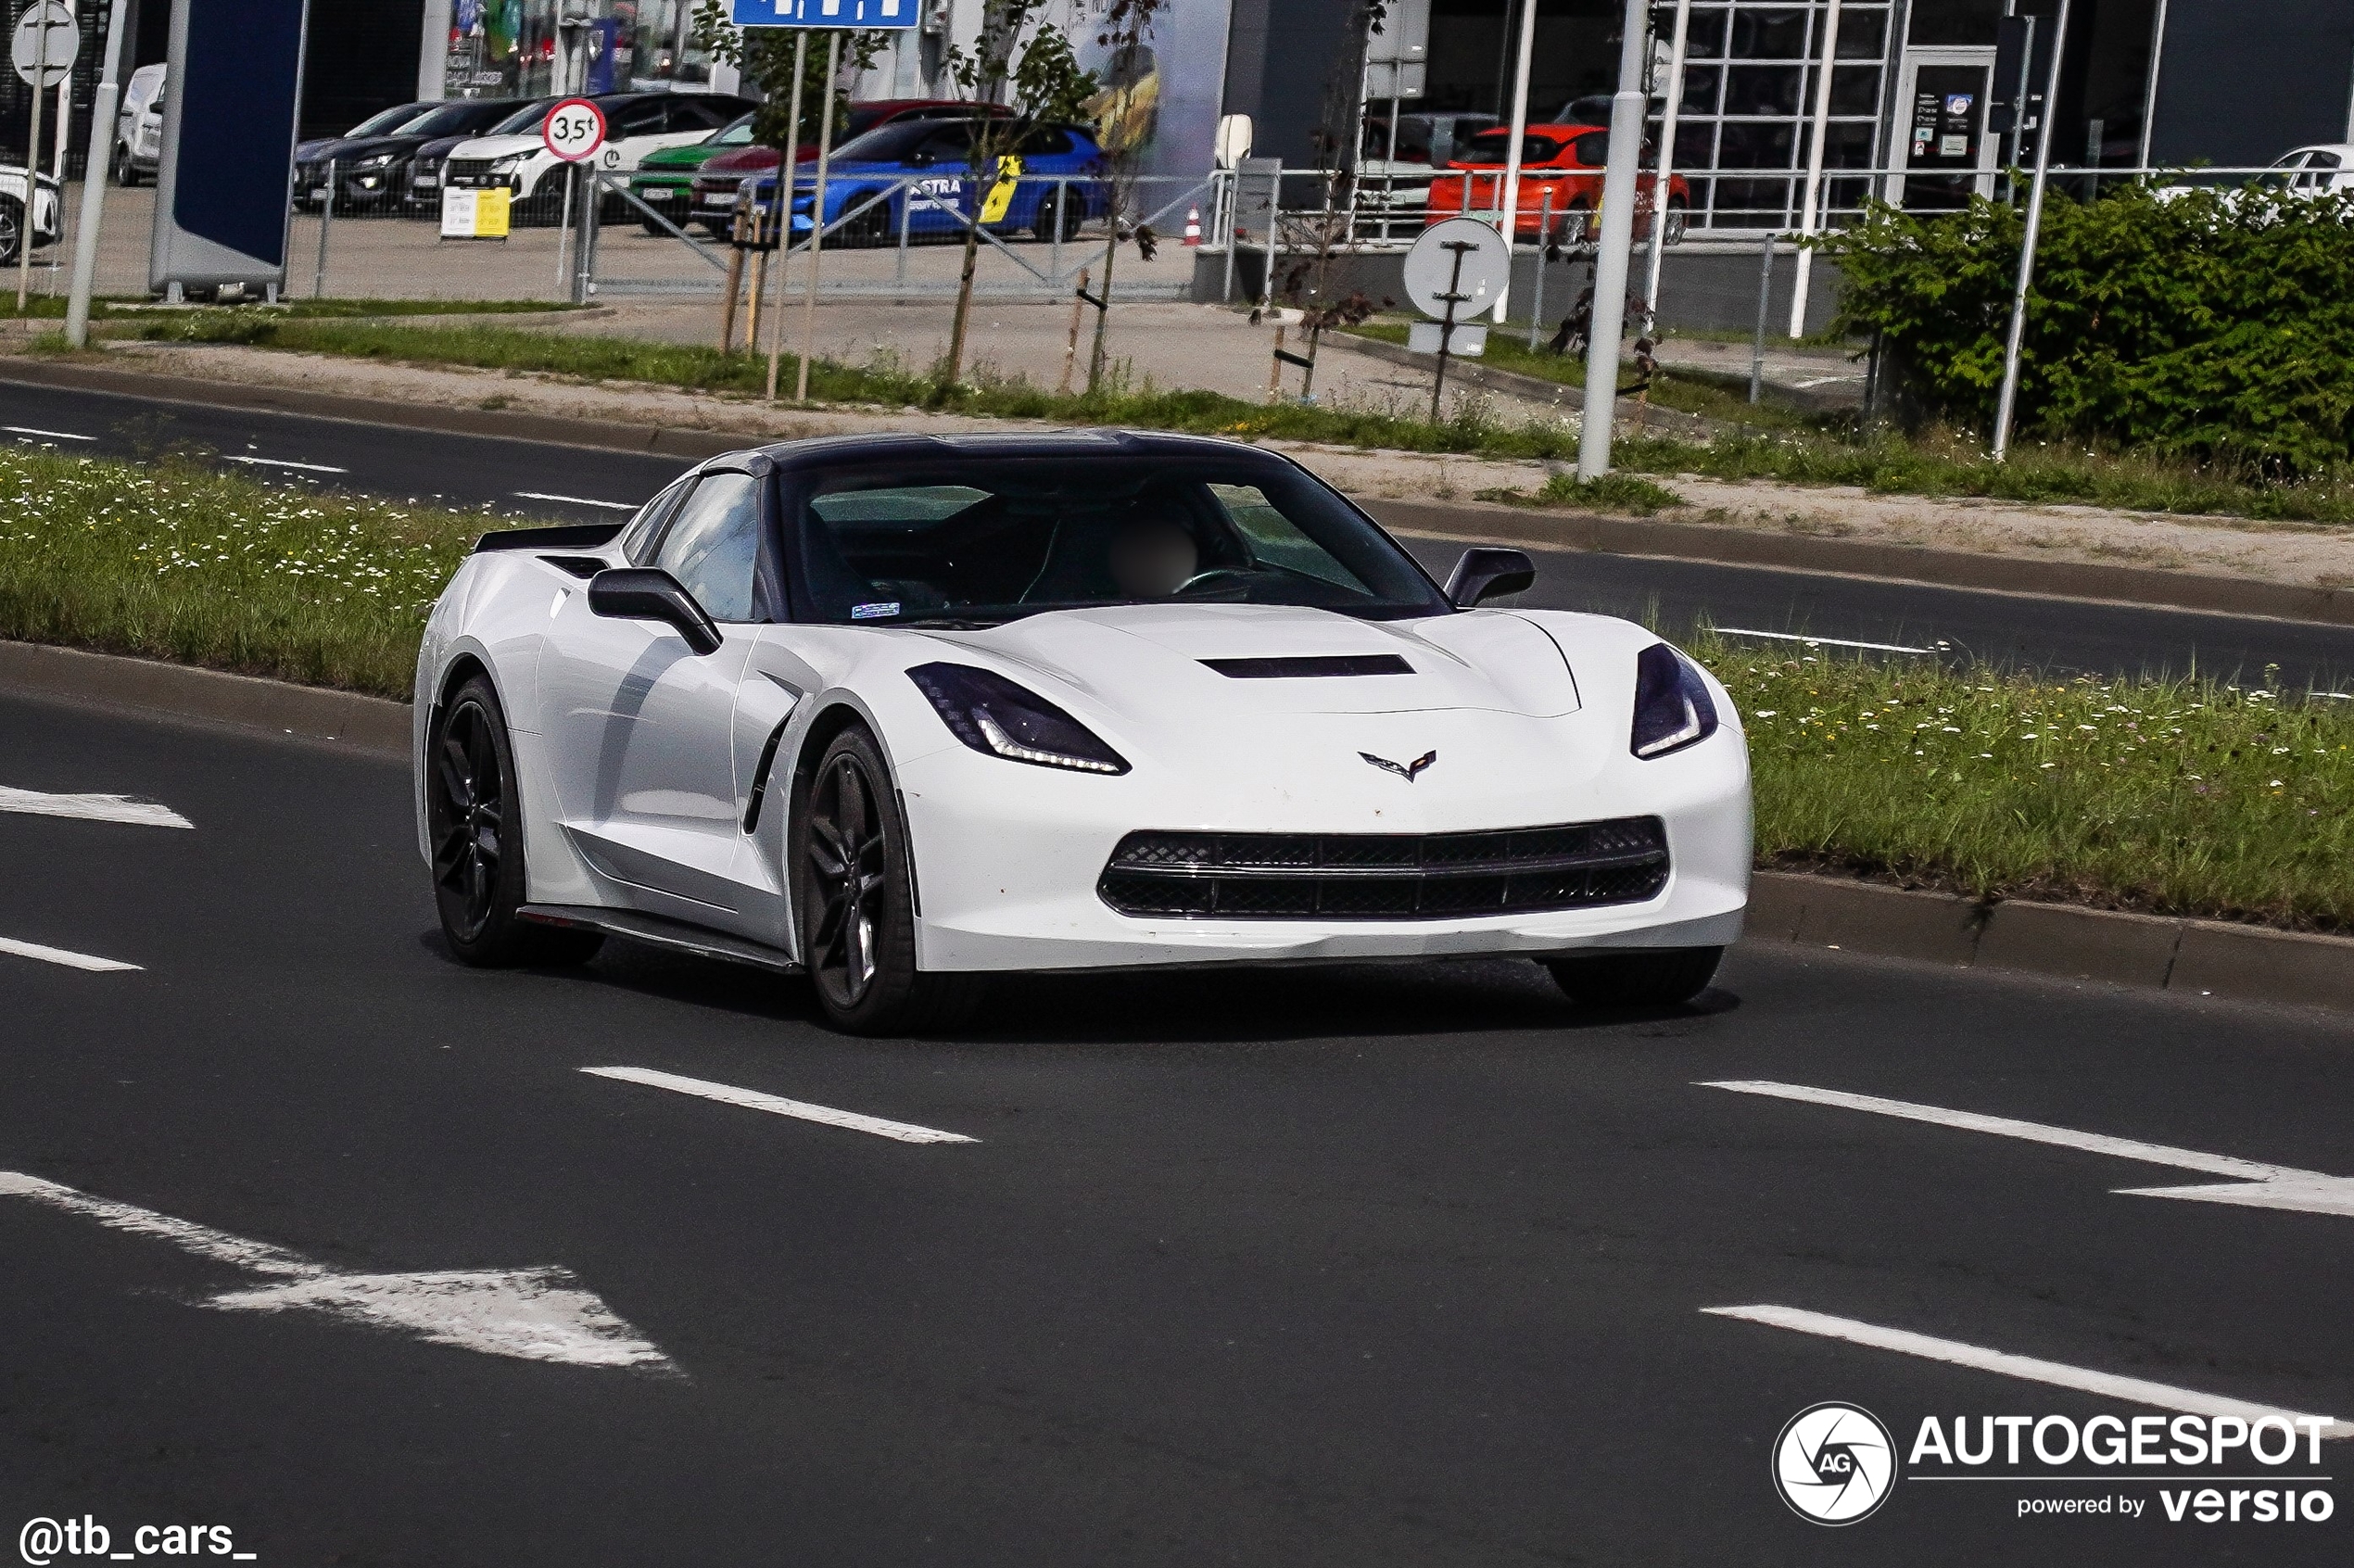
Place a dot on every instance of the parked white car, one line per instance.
(635, 124)
(138, 130)
(2317, 171)
(48, 200)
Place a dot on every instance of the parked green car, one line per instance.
(665, 179)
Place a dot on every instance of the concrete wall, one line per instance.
(1699, 290)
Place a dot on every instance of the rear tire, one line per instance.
(11, 229)
(474, 824)
(854, 898)
(1054, 212)
(1636, 980)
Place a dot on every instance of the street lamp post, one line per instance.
(1619, 180)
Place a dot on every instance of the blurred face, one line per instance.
(1152, 558)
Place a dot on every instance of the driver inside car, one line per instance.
(1153, 555)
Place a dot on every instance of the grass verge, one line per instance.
(2173, 797)
(2184, 797)
(1937, 466)
(176, 561)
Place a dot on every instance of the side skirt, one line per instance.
(675, 934)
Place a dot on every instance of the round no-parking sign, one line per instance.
(574, 129)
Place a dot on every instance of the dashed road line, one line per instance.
(61, 956)
(1826, 641)
(288, 463)
(752, 1099)
(46, 434)
(91, 808)
(2253, 1184)
(2060, 1374)
(576, 500)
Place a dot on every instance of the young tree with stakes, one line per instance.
(1123, 130)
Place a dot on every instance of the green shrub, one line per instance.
(2210, 325)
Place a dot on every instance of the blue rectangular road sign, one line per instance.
(868, 13)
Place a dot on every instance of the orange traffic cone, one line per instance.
(1193, 226)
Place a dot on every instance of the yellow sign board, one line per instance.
(475, 214)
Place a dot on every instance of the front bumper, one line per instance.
(1010, 857)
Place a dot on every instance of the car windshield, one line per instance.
(386, 122)
(983, 541)
(736, 135)
(451, 119)
(895, 142)
(1493, 146)
(525, 118)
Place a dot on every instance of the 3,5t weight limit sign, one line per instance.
(574, 129)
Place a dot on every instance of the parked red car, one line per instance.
(1563, 160)
(716, 183)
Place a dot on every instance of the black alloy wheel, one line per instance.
(853, 887)
(11, 229)
(1057, 211)
(871, 230)
(473, 823)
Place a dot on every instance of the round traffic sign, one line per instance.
(1432, 273)
(47, 40)
(574, 129)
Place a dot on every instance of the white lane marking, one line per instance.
(2107, 1385)
(92, 808)
(1824, 381)
(1829, 641)
(530, 1314)
(286, 463)
(752, 1099)
(576, 500)
(60, 955)
(50, 434)
(2257, 1185)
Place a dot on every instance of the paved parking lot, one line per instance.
(316, 1235)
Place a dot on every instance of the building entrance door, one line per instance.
(1939, 145)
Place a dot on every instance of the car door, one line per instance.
(635, 128)
(639, 729)
(944, 179)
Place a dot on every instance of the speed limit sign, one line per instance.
(574, 129)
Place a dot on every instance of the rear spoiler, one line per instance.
(569, 535)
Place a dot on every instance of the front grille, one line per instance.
(468, 171)
(1387, 876)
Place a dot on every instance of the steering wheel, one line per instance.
(1218, 581)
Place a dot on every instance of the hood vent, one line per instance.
(1314, 667)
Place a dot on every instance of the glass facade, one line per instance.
(1750, 80)
(513, 48)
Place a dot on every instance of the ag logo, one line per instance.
(1834, 1463)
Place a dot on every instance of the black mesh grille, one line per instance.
(1387, 876)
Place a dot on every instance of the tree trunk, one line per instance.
(1102, 312)
(953, 368)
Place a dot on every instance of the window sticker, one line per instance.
(874, 612)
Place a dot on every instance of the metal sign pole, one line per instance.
(2007, 405)
(94, 183)
(1453, 297)
(1508, 196)
(787, 171)
(1611, 254)
(1666, 172)
(817, 218)
(32, 167)
(1814, 170)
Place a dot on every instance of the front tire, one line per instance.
(854, 894)
(1636, 980)
(473, 822)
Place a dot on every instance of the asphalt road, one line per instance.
(533, 480)
(1349, 1266)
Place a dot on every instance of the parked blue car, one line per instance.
(1053, 178)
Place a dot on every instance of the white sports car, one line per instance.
(903, 710)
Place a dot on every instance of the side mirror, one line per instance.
(919, 160)
(646, 593)
(1483, 574)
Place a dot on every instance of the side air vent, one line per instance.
(581, 566)
(1314, 667)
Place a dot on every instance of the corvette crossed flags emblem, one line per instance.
(1408, 771)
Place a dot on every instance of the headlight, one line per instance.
(378, 161)
(1673, 709)
(510, 162)
(992, 714)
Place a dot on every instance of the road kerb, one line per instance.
(277, 707)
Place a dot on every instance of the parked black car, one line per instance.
(375, 171)
(310, 157)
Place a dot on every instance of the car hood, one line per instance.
(1144, 663)
(693, 156)
(498, 147)
(742, 160)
